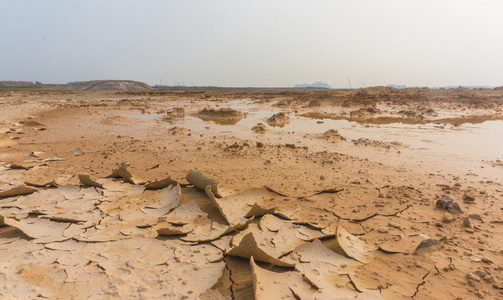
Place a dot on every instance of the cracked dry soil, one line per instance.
(100, 200)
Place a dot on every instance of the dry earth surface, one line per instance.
(184, 195)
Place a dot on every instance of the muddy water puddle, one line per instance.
(464, 149)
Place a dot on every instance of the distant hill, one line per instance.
(316, 85)
(110, 85)
(444, 87)
(18, 83)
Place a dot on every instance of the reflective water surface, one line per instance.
(466, 149)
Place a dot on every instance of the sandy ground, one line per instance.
(367, 189)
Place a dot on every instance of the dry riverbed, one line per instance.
(369, 194)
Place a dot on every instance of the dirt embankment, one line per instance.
(108, 85)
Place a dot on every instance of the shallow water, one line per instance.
(466, 148)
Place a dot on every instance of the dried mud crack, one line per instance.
(150, 195)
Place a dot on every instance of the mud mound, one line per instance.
(226, 116)
(279, 119)
(364, 111)
(260, 128)
(174, 113)
(110, 85)
(332, 135)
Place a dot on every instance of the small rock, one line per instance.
(383, 229)
(394, 225)
(476, 258)
(444, 202)
(448, 218)
(322, 177)
(487, 260)
(290, 146)
(498, 286)
(454, 208)
(468, 197)
(260, 145)
(2, 221)
(468, 223)
(78, 152)
(470, 230)
(429, 245)
(473, 277)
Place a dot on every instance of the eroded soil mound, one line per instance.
(279, 119)
(108, 85)
(226, 116)
(332, 135)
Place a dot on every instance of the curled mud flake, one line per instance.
(160, 184)
(248, 247)
(223, 243)
(191, 220)
(328, 271)
(43, 230)
(16, 191)
(236, 207)
(354, 246)
(317, 252)
(258, 209)
(201, 181)
(428, 245)
(208, 232)
(276, 237)
(85, 179)
(42, 184)
(170, 198)
(123, 172)
(274, 285)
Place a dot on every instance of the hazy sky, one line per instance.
(254, 43)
